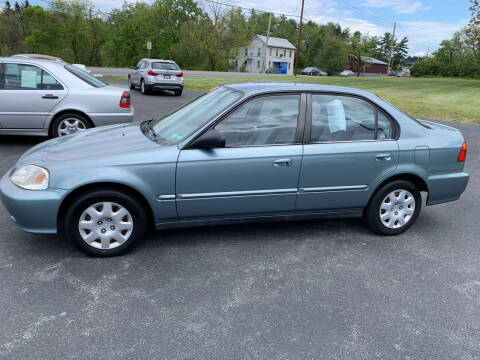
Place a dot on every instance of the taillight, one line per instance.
(150, 72)
(463, 153)
(179, 75)
(125, 100)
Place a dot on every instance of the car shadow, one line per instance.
(261, 235)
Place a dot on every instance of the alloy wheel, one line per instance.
(70, 125)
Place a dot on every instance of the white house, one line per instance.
(280, 56)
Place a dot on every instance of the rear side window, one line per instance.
(164, 66)
(86, 77)
(345, 118)
(27, 77)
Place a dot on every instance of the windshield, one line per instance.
(178, 125)
(89, 79)
(164, 66)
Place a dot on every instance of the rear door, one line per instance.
(345, 152)
(27, 96)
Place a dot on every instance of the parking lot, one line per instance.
(326, 289)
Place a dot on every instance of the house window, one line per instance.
(290, 53)
(276, 52)
(269, 63)
(288, 66)
(258, 52)
(258, 64)
(284, 52)
(246, 51)
(270, 51)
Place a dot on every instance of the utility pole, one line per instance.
(391, 49)
(299, 39)
(266, 45)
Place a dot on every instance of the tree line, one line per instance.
(197, 35)
(457, 57)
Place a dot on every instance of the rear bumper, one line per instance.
(102, 119)
(165, 86)
(446, 187)
(32, 211)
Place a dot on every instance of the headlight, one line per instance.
(31, 177)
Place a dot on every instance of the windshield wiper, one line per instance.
(148, 130)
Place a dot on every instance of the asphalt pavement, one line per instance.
(326, 289)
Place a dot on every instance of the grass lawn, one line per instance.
(430, 98)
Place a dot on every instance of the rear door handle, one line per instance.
(282, 162)
(49, 96)
(384, 157)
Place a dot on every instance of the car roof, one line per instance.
(262, 87)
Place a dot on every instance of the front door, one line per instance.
(257, 171)
(345, 153)
(27, 96)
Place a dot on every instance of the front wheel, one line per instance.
(105, 222)
(394, 208)
(130, 84)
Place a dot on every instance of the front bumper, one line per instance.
(446, 187)
(32, 211)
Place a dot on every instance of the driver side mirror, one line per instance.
(210, 139)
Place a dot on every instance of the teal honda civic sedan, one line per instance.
(240, 153)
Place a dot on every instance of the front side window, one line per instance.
(28, 77)
(267, 120)
(182, 122)
(342, 118)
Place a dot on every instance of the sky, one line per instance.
(425, 22)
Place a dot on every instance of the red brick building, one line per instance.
(373, 66)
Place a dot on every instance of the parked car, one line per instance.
(313, 71)
(156, 74)
(344, 153)
(53, 98)
(347, 73)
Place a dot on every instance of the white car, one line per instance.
(54, 98)
(347, 73)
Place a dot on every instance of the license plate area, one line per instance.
(166, 76)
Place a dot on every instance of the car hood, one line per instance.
(116, 144)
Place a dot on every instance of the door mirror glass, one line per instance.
(209, 140)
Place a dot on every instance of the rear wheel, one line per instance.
(394, 208)
(69, 123)
(178, 92)
(105, 222)
(130, 84)
(143, 88)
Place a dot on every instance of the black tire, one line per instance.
(178, 92)
(84, 201)
(372, 214)
(55, 128)
(144, 88)
(130, 84)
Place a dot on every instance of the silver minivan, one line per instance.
(54, 98)
(156, 74)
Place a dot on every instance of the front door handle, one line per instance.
(49, 96)
(282, 162)
(384, 157)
